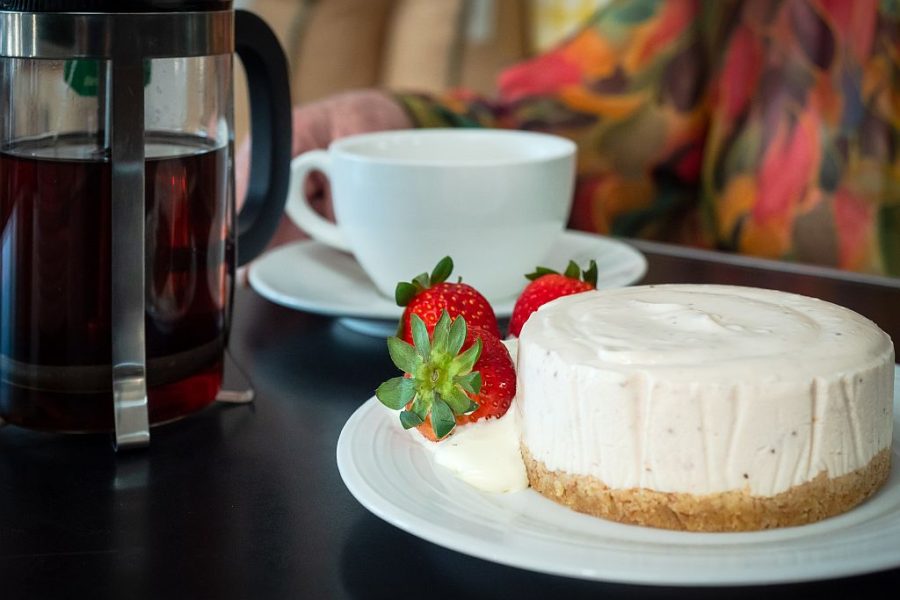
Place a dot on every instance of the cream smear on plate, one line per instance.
(484, 454)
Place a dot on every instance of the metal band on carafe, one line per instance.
(127, 256)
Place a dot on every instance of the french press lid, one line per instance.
(114, 6)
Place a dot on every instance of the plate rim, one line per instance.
(502, 308)
(371, 499)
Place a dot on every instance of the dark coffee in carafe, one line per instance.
(55, 299)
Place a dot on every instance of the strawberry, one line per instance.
(547, 285)
(498, 377)
(427, 296)
(456, 375)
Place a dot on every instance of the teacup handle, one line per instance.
(298, 207)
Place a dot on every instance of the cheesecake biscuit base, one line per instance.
(733, 510)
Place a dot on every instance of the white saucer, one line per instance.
(394, 477)
(313, 277)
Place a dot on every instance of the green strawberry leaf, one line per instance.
(470, 382)
(410, 419)
(420, 336)
(464, 362)
(442, 419)
(572, 272)
(407, 290)
(457, 335)
(402, 354)
(590, 276)
(395, 393)
(457, 401)
(404, 293)
(442, 271)
(540, 272)
(440, 336)
(422, 404)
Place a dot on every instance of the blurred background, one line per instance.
(407, 45)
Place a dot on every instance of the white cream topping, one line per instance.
(702, 389)
(485, 454)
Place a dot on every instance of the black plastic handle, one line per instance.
(270, 128)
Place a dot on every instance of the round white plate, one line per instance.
(394, 477)
(313, 277)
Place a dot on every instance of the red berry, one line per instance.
(498, 382)
(498, 377)
(452, 375)
(429, 295)
(547, 285)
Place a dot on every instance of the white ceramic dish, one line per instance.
(313, 277)
(394, 477)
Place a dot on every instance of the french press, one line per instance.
(118, 231)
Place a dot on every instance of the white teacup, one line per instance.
(493, 200)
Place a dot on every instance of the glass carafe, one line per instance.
(118, 240)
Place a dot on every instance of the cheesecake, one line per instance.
(704, 407)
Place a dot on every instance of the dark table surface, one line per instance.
(247, 502)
